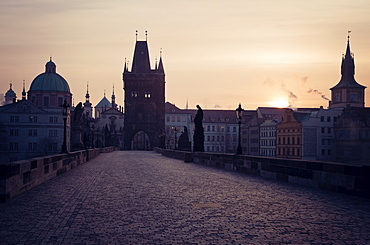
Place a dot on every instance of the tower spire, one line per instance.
(113, 99)
(24, 90)
(87, 92)
(160, 65)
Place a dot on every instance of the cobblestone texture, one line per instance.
(144, 198)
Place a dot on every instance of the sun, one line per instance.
(280, 103)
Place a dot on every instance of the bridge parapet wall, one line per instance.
(20, 176)
(331, 176)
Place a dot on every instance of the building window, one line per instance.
(13, 146)
(14, 132)
(213, 128)
(32, 119)
(53, 119)
(32, 146)
(60, 101)
(46, 101)
(32, 132)
(14, 118)
(208, 128)
(53, 133)
(167, 119)
(322, 118)
(147, 95)
(328, 119)
(323, 152)
(178, 119)
(134, 94)
(322, 130)
(329, 130)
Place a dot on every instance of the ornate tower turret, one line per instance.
(347, 91)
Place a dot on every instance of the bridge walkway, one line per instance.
(129, 197)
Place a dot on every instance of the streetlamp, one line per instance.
(65, 112)
(239, 113)
(92, 136)
(175, 130)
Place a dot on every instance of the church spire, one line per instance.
(113, 99)
(87, 92)
(24, 90)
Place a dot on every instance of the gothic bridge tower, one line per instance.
(347, 92)
(144, 90)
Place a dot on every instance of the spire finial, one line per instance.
(51, 58)
(87, 87)
(348, 35)
(113, 88)
(104, 92)
(10, 85)
(160, 53)
(24, 90)
(146, 35)
(136, 34)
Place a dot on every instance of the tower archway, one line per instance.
(140, 141)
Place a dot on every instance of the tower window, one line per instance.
(134, 94)
(147, 95)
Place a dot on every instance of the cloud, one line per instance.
(292, 98)
(315, 91)
(304, 80)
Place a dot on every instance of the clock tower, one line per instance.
(347, 92)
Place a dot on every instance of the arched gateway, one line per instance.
(140, 142)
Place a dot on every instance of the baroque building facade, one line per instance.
(34, 127)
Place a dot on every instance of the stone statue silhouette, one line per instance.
(184, 144)
(198, 131)
(76, 128)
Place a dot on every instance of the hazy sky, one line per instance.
(215, 53)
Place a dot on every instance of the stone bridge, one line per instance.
(128, 197)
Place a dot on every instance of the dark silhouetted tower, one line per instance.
(144, 101)
(347, 92)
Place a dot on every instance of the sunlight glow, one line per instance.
(279, 103)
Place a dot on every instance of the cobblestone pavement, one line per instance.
(145, 198)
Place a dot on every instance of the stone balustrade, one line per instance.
(20, 176)
(331, 176)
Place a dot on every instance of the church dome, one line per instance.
(49, 80)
